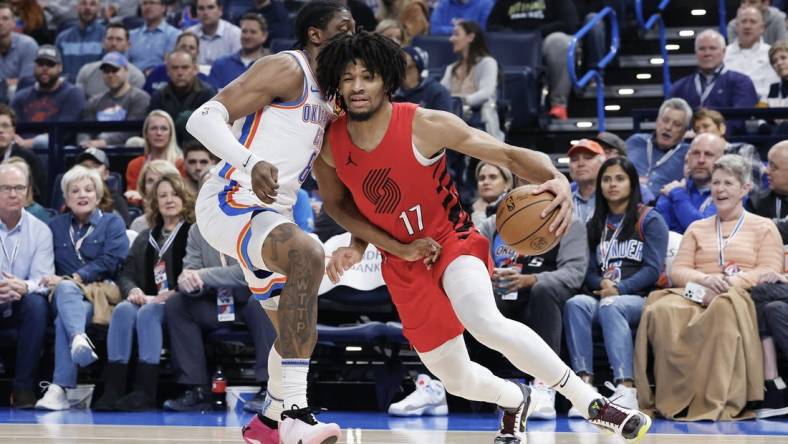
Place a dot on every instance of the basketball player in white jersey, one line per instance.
(245, 209)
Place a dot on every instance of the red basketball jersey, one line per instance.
(396, 191)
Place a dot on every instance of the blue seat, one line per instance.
(366, 333)
(278, 45)
(516, 49)
(440, 50)
(394, 333)
(522, 90)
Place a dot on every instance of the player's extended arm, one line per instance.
(273, 77)
(436, 130)
(339, 204)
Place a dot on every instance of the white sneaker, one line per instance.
(54, 398)
(624, 396)
(82, 350)
(543, 398)
(575, 413)
(429, 398)
(299, 426)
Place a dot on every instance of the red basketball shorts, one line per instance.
(428, 319)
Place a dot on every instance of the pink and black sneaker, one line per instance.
(261, 430)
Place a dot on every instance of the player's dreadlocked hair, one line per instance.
(380, 55)
(314, 14)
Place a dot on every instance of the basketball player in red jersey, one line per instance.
(382, 175)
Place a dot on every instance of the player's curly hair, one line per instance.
(381, 56)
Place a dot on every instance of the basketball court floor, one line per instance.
(358, 428)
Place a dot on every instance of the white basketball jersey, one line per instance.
(287, 135)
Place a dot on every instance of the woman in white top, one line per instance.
(474, 77)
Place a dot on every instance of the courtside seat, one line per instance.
(440, 50)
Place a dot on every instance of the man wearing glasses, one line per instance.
(8, 148)
(218, 37)
(152, 41)
(26, 255)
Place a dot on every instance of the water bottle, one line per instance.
(218, 390)
(500, 289)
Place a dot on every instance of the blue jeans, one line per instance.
(618, 316)
(29, 318)
(147, 320)
(73, 314)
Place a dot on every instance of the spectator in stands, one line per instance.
(51, 99)
(112, 201)
(533, 290)
(277, 17)
(158, 77)
(197, 160)
(710, 366)
(772, 203)
(714, 86)
(159, 133)
(90, 247)
(254, 34)
(778, 91)
(362, 14)
(664, 164)
(81, 44)
(474, 77)
(773, 18)
(749, 54)
(710, 121)
(60, 13)
(613, 145)
(771, 309)
(585, 158)
(90, 77)
(449, 12)
(183, 93)
(392, 29)
(121, 102)
(414, 15)
(218, 37)
(31, 20)
(22, 300)
(148, 278)
(493, 183)
(627, 244)
(418, 86)
(149, 175)
(684, 201)
(151, 42)
(191, 313)
(9, 148)
(556, 20)
(32, 207)
(17, 51)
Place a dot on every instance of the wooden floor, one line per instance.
(84, 434)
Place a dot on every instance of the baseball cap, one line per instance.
(49, 53)
(114, 59)
(611, 141)
(420, 58)
(588, 146)
(93, 154)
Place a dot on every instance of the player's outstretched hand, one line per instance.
(341, 260)
(563, 201)
(265, 179)
(425, 248)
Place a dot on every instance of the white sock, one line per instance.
(294, 372)
(274, 404)
(576, 390)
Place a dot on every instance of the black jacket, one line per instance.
(137, 270)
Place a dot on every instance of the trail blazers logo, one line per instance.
(381, 190)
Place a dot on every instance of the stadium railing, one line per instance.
(647, 24)
(597, 72)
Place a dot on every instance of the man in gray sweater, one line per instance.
(209, 281)
(533, 290)
(773, 21)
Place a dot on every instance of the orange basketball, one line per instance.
(520, 223)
